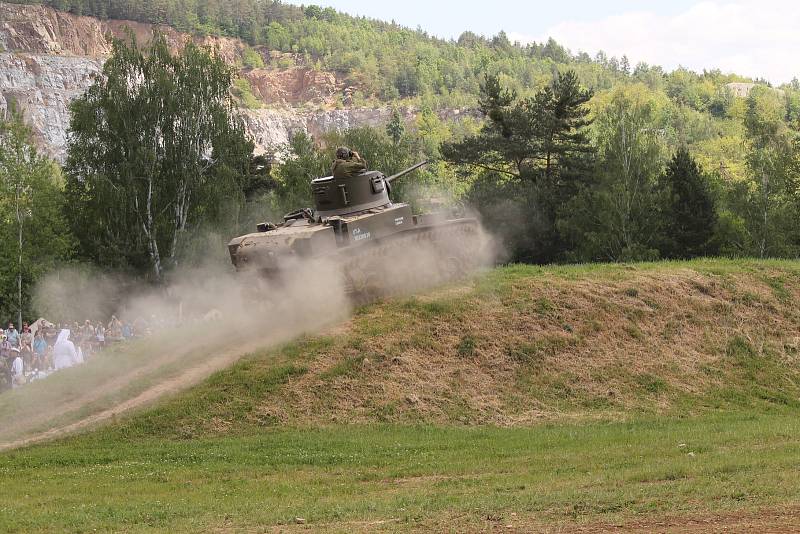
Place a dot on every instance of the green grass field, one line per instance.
(347, 477)
(541, 398)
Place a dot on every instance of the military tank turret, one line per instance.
(377, 243)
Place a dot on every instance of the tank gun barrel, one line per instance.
(413, 168)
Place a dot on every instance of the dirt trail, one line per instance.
(192, 375)
(96, 394)
(765, 520)
(772, 520)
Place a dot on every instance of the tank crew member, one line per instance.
(348, 163)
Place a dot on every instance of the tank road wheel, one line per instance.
(410, 262)
(454, 267)
(256, 293)
(362, 283)
(459, 254)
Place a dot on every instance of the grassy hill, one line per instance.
(523, 345)
(541, 398)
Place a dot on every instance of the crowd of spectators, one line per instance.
(25, 356)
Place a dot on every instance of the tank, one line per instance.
(379, 246)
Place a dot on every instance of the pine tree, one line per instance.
(689, 209)
(533, 149)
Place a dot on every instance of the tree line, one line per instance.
(387, 61)
(567, 177)
(160, 172)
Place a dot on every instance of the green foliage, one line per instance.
(156, 151)
(33, 231)
(529, 167)
(252, 59)
(303, 161)
(244, 92)
(386, 61)
(616, 218)
(395, 128)
(531, 150)
(532, 138)
(689, 210)
(772, 199)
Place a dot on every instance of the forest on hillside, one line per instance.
(388, 63)
(573, 159)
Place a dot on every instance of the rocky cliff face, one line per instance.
(42, 86)
(47, 58)
(276, 126)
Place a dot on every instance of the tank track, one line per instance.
(445, 252)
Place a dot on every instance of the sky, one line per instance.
(756, 38)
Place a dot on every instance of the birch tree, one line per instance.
(155, 146)
(771, 157)
(33, 232)
(617, 217)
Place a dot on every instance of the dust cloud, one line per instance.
(205, 319)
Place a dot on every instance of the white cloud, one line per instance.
(748, 37)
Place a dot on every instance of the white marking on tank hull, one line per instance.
(360, 235)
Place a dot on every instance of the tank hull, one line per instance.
(379, 251)
(421, 257)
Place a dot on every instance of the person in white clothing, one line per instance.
(17, 374)
(64, 353)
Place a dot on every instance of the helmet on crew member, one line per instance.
(343, 153)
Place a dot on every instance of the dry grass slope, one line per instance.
(521, 345)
